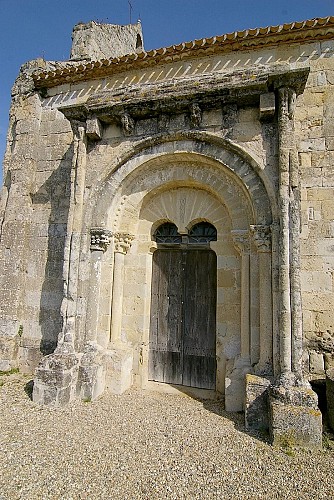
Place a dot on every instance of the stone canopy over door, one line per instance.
(183, 307)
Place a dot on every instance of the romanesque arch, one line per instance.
(185, 181)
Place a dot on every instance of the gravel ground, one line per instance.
(145, 445)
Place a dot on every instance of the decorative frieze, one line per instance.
(123, 242)
(100, 238)
(261, 237)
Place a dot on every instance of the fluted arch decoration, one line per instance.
(200, 161)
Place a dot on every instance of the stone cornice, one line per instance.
(140, 101)
(297, 32)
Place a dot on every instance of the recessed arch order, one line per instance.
(193, 160)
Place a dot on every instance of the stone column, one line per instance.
(74, 227)
(235, 378)
(286, 141)
(241, 243)
(262, 240)
(100, 239)
(122, 245)
(275, 296)
(294, 414)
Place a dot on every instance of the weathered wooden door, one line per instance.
(183, 318)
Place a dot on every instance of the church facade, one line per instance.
(167, 221)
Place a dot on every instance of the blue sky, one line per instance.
(42, 28)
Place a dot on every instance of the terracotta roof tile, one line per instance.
(238, 40)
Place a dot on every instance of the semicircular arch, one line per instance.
(228, 173)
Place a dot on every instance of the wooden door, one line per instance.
(183, 318)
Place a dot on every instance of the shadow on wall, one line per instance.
(56, 191)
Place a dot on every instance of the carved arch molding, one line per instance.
(186, 182)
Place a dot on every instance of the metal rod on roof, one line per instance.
(130, 11)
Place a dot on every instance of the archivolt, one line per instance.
(190, 160)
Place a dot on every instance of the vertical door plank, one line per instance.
(165, 362)
(199, 341)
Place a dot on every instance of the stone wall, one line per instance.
(36, 199)
(314, 116)
(95, 41)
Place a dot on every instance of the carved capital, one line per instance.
(123, 242)
(241, 240)
(99, 238)
(261, 237)
(287, 102)
(128, 124)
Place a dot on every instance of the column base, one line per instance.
(257, 403)
(56, 377)
(92, 372)
(295, 419)
(119, 366)
(235, 384)
(9, 344)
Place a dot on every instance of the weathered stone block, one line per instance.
(55, 380)
(9, 344)
(295, 420)
(329, 360)
(94, 129)
(92, 372)
(257, 402)
(295, 426)
(119, 369)
(267, 106)
(235, 385)
(317, 363)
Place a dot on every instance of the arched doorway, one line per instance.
(193, 182)
(182, 344)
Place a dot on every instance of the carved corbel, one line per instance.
(128, 124)
(195, 114)
(261, 237)
(163, 122)
(123, 242)
(100, 238)
(94, 128)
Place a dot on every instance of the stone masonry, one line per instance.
(235, 131)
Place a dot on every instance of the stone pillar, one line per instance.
(295, 419)
(120, 356)
(275, 296)
(56, 377)
(286, 142)
(100, 239)
(235, 379)
(122, 245)
(241, 243)
(262, 240)
(74, 226)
